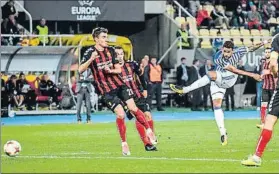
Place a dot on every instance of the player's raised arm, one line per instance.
(258, 45)
(241, 72)
(88, 57)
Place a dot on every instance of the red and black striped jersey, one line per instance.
(268, 81)
(104, 81)
(129, 74)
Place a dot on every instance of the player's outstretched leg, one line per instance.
(264, 138)
(147, 143)
(150, 121)
(197, 84)
(141, 119)
(120, 123)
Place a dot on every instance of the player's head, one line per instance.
(267, 52)
(100, 36)
(228, 49)
(119, 54)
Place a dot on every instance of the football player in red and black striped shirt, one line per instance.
(100, 58)
(130, 75)
(269, 84)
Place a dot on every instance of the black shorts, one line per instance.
(142, 104)
(118, 96)
(266, 95)
(273, 108)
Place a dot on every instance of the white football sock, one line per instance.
(219, 118)
(197, 84)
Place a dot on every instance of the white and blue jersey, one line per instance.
(225, 79)
(221, 63)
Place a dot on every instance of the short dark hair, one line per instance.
(13, 76)
(182, 58)
(97, 31)
(195, 61)
(228, 44)
(118, 48)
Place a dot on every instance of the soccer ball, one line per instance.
(12, 148)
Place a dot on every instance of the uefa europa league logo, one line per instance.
(85, 2)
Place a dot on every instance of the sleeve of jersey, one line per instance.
(275, 44)
(215, 58)
(86, 56)
(241, 51)
(136, 67)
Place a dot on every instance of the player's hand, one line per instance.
(94, 55)
(107, 69)
(257, 77)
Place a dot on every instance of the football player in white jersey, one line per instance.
(224, 76)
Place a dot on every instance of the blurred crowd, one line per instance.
(10, 26)
(21, 93)
(251, 14)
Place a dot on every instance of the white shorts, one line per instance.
(223, 81)
(216, 92)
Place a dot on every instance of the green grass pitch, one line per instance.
(184, 146)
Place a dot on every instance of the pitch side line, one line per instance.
(134, 158)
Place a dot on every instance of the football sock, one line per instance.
(121, 128)
(151, 124)
(262, 142)
(263, 113)
(219, 118)
(197, 84)
(142, 134)
(141, 118)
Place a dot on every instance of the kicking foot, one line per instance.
(125, 149)
(150, 147)
(224, 140)
(151, 136)
(177, 89)
(252, 161)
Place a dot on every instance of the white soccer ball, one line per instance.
(12, 148)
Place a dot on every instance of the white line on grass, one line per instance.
(134, 158)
